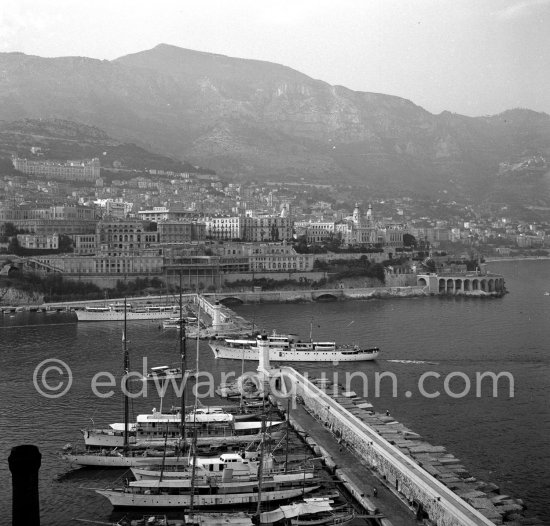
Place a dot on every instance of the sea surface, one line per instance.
(502, 439)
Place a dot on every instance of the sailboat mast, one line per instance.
(163, 465)
(183, 366)
(287, 432)
(261, 467)
(195, 407)
(126, 371)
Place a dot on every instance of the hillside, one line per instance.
(254, 119)
(61, 140)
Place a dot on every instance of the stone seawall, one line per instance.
(438, 502)
(309, 295)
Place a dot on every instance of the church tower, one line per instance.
(369, 214)
(356, 216)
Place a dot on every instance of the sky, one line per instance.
(473, 57)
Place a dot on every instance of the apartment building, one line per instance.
(81, 171)
(181, 231)
(267, 228)
(120, 238)
(162, 213)
(224, 228)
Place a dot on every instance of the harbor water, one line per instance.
(433, 351)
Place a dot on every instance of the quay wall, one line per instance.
(308, 295)
(443, 506)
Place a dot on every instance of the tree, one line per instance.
(8, 230)
(409, 240)
(65, 243)
(14, 247)
(301, 245)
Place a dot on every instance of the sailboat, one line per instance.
(203, 490)
(215, 427)
(139, 444)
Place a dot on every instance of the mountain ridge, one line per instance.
(256, 119)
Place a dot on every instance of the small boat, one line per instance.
(153, 520)
(199, 519)
(219, 519)
(164, 372)
(174, 322)
(241, 464)
(310, 512)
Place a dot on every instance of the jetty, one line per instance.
(393, 474)
(366, 450)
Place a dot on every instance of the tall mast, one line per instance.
(287, 432)
(194, 452)
(183, 366)
(126, 371)
(261, 466)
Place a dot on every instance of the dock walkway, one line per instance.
(386, 503)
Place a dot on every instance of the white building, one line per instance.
(39, 241)
(224, 228)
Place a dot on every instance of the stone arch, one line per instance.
(483, 284)
(467, 285)
(441, 285)
(458, 285)
(422, 282)
(450, 285)
(231, 300)
(325, 297)
(475, 284)
(491, 286)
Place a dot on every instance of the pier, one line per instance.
(415, 481)
(424, 479)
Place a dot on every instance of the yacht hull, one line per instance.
(121, 499)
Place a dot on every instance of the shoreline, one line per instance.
(517, 258)
(281, 296)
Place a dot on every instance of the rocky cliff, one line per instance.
(12, 296)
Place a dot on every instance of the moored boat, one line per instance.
(310, 512)
(211, 425)
(165, 372)
(116, 312)
(244, 464)
(207, 493)
(285, 349)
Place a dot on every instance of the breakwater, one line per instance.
(308, 295)
(433, 483)
(232, 297)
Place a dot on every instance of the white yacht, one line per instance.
(285, 349)
(115, 312)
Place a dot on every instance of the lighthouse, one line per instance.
(217, 316)
(264, 367)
